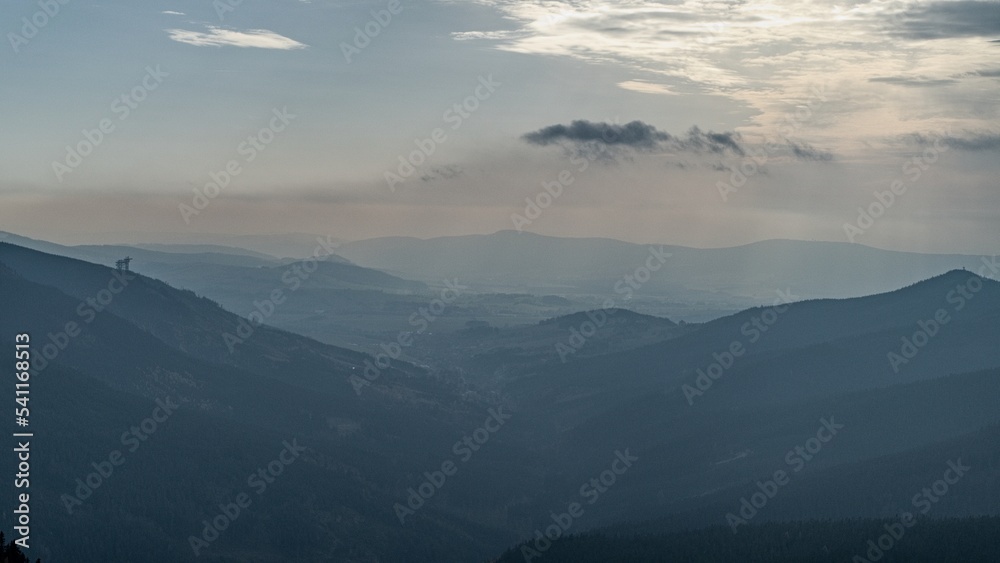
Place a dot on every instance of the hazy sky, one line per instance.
(642, 107)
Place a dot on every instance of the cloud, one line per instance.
(767, 58)
(697, 140)
(173, 13)
(646, 87)
(962, 18)
(968, 141)
(635, 134)
(914, 81)
(489, 35)
(446, 172)
(805, 151)
(608, 141)
(218, 37)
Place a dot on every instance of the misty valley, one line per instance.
(500, 281)
(411, 400)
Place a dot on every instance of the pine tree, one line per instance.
(11, 553)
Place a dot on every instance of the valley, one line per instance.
(391, 426)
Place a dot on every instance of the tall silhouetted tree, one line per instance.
(10, 553)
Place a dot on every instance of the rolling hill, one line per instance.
(137, 340)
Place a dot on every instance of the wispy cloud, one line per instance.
(768, 55)
(173, 13)
(965, 141)
(219, 37)
(491, 35)
(646, 87)
(913, 81)
(805, 151)
(446, 172)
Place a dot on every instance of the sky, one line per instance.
(699, 123)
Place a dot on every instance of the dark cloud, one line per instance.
(967, 141)
(587, 136)
(442, 172)
(937, 20)
(698, 140)
(635, 134)
(805, 151)
(914, 81)
(983, 73)
(609, 141)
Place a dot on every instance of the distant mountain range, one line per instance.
(706, 410)
(531, 262)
